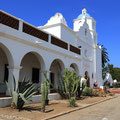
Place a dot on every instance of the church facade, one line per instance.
(26, 50)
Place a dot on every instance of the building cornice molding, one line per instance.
(85, 18)
(87, 59)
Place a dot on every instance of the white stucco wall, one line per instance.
(18, 44)
(99, 66)
(3, 61)
(54, 30)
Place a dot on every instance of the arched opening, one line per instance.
(56, 72)
(32, 68)
(74, 67)
(87, 78)
(5, 61)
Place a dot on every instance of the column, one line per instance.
(13, 71)
(20, 25)
(43, 77)
(68, 46)
(49, 38)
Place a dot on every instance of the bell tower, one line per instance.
(85, 18)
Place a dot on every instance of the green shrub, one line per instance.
(116, 85)
(88, 91)
(96, 93)
(72, 102)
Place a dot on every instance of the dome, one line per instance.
(81, 15)
(57, 18)
(84, 13)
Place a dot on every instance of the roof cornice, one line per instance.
(85, 18)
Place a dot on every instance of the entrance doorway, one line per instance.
(87, 78)
(57, 69)
(52, 78)
(6, 73)
(35, 75)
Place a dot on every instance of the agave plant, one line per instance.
(21, 93)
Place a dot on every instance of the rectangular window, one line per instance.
(35, 75)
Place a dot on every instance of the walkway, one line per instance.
(108, 110)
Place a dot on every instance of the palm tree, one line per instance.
(105, 58)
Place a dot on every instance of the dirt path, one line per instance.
(109, 110)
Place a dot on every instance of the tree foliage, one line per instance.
(105, 57)
(114, 71)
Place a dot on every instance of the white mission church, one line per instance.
(26, 50)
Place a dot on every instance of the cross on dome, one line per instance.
(58, 14)
(84, 11)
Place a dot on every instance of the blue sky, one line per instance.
(105, 12)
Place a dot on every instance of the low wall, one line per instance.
(6, 101)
